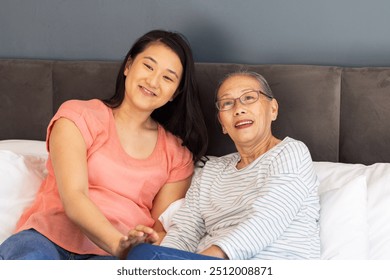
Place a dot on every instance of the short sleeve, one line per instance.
(90, 117)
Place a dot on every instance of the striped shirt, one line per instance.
(267, 210)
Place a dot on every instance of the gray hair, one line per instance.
(262, 81)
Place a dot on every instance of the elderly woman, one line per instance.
(258, 203)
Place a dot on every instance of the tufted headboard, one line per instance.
(342, 114)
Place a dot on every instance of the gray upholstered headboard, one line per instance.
(342, 114)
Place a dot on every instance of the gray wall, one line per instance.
(328, 32)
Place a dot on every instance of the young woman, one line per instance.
(117, 163)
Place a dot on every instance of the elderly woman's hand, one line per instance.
(214, 251)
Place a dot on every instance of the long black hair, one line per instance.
(182, 116)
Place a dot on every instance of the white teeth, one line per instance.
(148, 91)
(244, 122)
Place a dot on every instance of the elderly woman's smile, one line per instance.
(243, 123)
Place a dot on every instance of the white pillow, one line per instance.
(332, 175)
(25, 147)
(22, 169)
(378, 192)
(343, 221)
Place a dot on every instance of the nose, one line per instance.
(239, 108)
(152, 80)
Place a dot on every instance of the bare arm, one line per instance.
(69, 158)
(168, 194)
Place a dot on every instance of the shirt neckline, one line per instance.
(115, 138)
(238, 157)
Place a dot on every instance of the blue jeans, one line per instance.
(145, 251)
(31, 245)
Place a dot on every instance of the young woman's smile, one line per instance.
(152, 77)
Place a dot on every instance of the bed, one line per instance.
(341, 113)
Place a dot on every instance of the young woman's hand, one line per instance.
(147, 233)
(139, 234)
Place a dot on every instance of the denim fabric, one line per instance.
(31, 245)
(145, 251)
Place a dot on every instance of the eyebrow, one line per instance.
(169, 70)
(242, 91)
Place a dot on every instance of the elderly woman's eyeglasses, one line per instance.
(248, 97)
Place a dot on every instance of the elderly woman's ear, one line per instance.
(223, 128)
(274, 108)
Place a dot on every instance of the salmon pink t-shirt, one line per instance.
(121, 186)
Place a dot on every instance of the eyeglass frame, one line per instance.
(259, 92)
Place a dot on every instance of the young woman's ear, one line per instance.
(127, 67)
